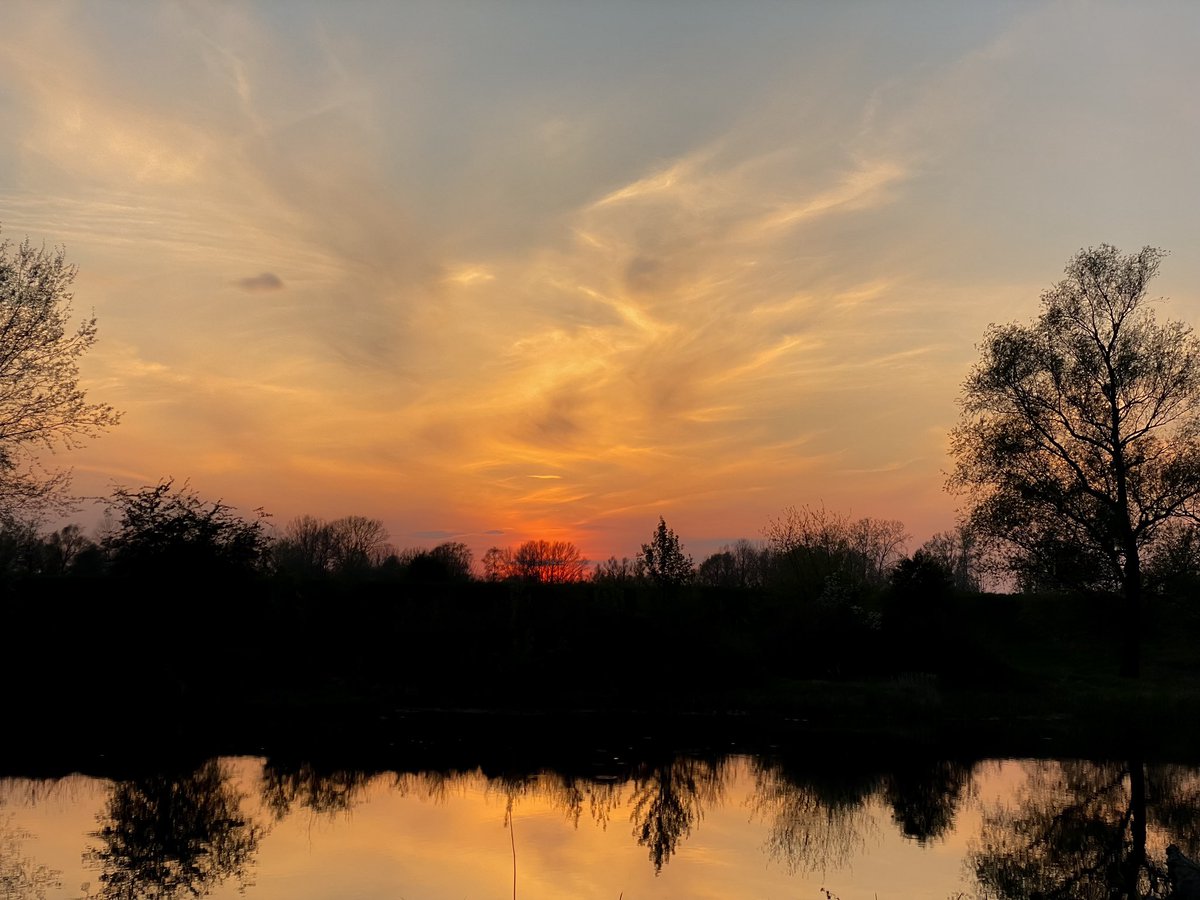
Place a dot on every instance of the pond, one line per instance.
(685, 826)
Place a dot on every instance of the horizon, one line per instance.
(493, 273)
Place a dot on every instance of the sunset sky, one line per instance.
(494, 271)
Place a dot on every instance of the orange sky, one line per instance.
(490, 272)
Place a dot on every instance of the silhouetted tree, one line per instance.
(449, 561)
(42, 406)
(20, 548)
(1173, 564)
(1082, 429)
(63, 547)
(456, 558)
(305, 547)
(916, 611)
(666, 563)
(358, 544)
(619, 571)
(958, 551)
(554, 562)
(161, 530)
(495, 564)
(818, 549)
(743, 565)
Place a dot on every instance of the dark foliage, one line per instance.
(162, 532)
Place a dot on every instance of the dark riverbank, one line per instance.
(367, 672)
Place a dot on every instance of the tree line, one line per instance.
(169, 530)
(1077, 455)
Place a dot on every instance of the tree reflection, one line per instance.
(569, 793)
(20, 875)
(925, 797)
(163, 837)
(324, 793)
(668, 800)
(817, 821)
(1088, 830)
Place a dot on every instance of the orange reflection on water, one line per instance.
(683, 829)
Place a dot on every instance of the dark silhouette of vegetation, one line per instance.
(447, 562)
(230, 621)
(1080, 433)
(742, 566)
(665, 561)
(822, 553)
(959, 552)
(168, 531)
(623, 571)
(537, 561)
(42, 406)
(917, 610)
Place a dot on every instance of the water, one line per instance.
(685, 827)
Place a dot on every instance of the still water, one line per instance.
(728, 828)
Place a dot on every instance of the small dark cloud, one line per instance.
(434, 535)
(494, 531)
(267, 281)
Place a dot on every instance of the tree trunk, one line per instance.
(1131, 657)
(1137, 828)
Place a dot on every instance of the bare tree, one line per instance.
(496, 564)
(741, 565)
(620, 571)
(556, 562)
(1080, 432)
(958, 551)
(818, 547)
(306, 546)
(63, 547)
(358, 543)
(42, 406)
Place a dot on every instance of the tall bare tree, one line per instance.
(42, 406)
(1080, 432)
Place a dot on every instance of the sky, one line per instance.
(509, 270)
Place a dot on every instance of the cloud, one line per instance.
(266, 281)
(435, 535)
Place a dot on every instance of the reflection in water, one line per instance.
(322, 793)
(1066, 830)
(21, 876)
(668, 800)
(665, 801)
(164, 837)
(1087, 830)
(821, 817)
(925, 797)
(818, 820)
(568, 793)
